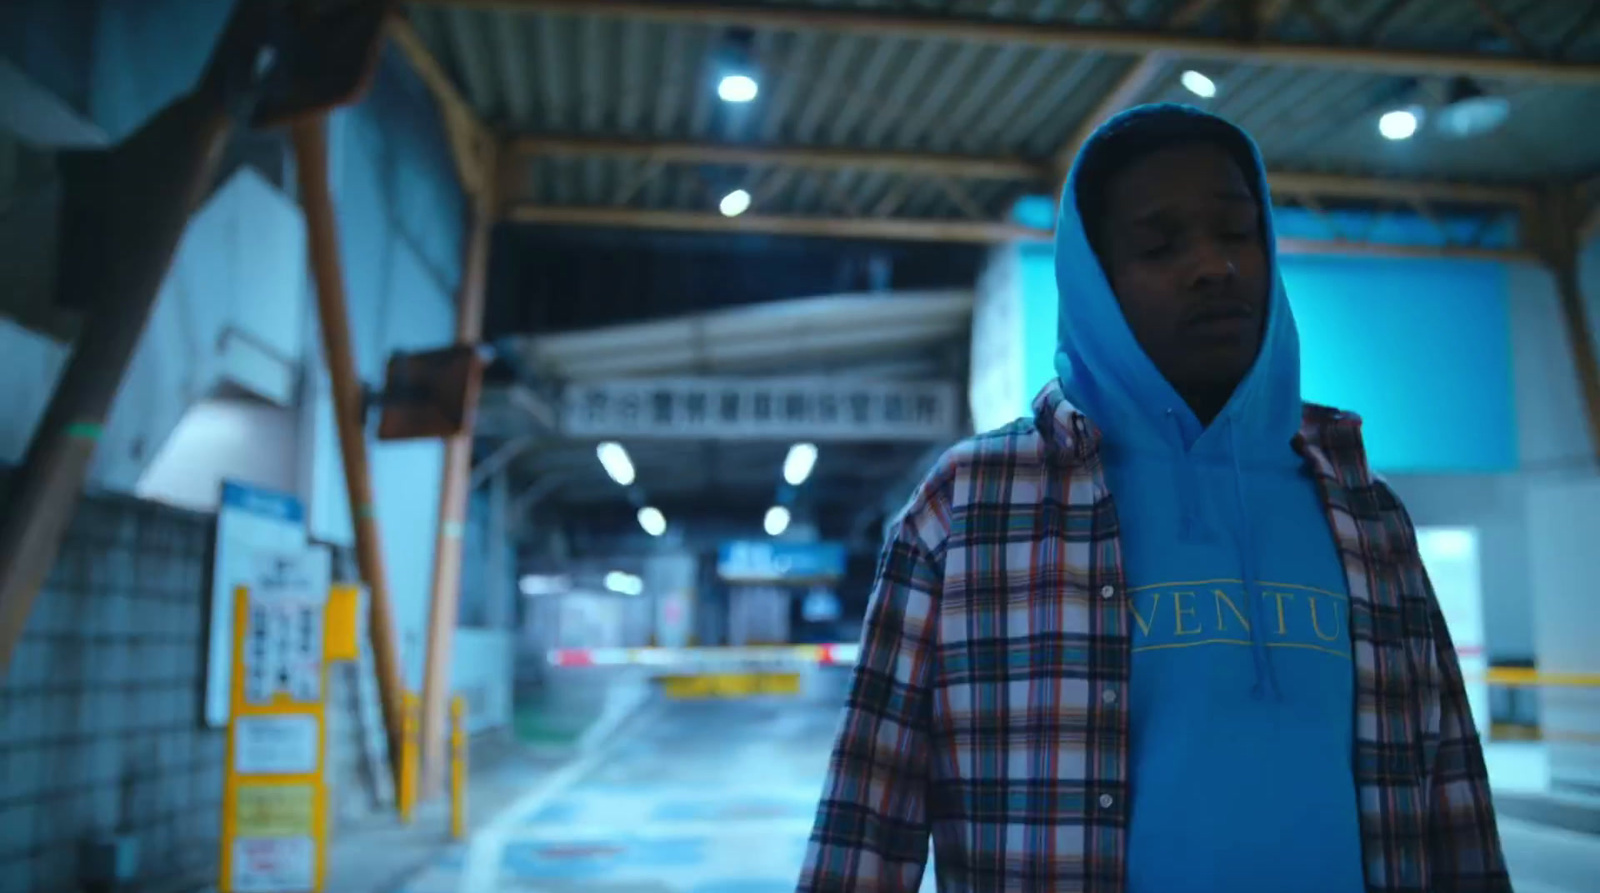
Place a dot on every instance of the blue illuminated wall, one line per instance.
(1420, 348)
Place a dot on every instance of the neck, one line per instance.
(1206, 402)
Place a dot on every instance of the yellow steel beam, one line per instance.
(921, 230)
(986, 168)
(1064, 36)
(1128, 89)
(675, 152)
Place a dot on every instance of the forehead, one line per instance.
(1175, 178)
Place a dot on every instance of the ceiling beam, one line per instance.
(1388, 188)
(925, 230)
(959, 166)
(1064, 36)
(978, 168)
(889, 229)
(1189, 13)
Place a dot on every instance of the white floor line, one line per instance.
(1530, 887)
(481, 869)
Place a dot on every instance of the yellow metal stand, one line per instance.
(274, 798)
(458, 767)
(407, 794)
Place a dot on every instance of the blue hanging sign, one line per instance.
(779, 562)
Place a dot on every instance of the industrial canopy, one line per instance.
(929, 119)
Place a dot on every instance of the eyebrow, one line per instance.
(1231, 196)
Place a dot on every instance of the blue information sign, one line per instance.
(779, 562)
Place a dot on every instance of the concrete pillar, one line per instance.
(1562, 519)
(669, 582)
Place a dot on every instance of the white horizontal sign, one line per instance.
(762, 409)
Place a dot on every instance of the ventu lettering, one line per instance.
(1218, 612)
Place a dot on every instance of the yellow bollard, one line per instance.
(407, 795)
(458, 767)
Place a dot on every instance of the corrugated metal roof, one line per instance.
(529, 72)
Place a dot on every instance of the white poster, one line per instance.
(250, 521)
(276, 745)
(283, 635)
(274, 864)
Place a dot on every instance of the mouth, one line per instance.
(1220, 319)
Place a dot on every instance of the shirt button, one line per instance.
(1108, 696)
(1108, 591)
(1106, 800)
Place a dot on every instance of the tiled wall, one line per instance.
(100, 715)
(100, 726)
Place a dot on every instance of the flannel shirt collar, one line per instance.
(1329, 439)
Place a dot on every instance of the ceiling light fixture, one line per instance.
(624, 583)
(1198, 84)
(653, 522)
(1471, 111)
(737, 88)
(543, 584)
(1399, 124)
(734, 203)
(614, 459)
(736, 58)
(798, 464)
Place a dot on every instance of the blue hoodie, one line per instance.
(1242, 693)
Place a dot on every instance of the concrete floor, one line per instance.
(718, 797)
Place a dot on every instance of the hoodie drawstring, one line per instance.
(1266, 674)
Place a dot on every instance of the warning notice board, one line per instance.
(275, 799)
(275, 810)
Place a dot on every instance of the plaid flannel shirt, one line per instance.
(998, 621)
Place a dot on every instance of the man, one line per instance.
(1170, 634)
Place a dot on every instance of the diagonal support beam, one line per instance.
(1129, 88)
(471, 143)
(455, 487)
(498, 460)
(1060, 36)
(1558, 233)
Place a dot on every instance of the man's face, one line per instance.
(1183, 246)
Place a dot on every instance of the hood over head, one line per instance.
(1103, 369)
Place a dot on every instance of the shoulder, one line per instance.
(983, 467)
(1331, 441)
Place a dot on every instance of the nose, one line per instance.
(1213, 265)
